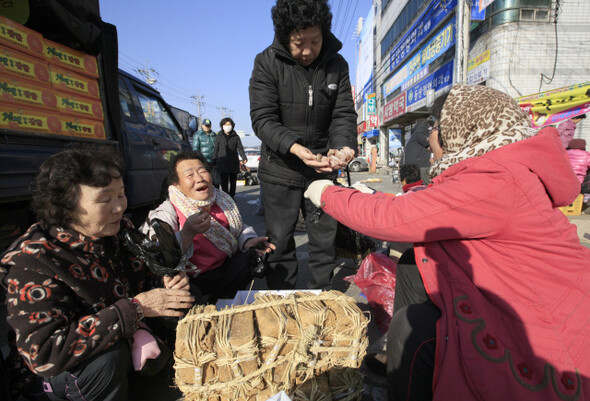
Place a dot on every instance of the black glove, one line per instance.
(257, 265)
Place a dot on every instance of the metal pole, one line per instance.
(463, 23)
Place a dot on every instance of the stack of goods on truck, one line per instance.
(46, 87)
(308, 345)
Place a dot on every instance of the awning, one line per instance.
(409, 117)
(372, 133)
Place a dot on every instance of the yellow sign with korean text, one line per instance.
(556, 105)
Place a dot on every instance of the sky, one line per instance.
(207, 48)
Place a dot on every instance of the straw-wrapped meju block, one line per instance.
(304, 344)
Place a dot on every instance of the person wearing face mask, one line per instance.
(301, 108)
(226, 155)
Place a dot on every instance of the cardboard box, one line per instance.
(69, 81)
(19, 64)
(69, 58)
(78, 105)
(21, 91)
(24, 92)
(20, 37)
(31, 119)
(575, 209)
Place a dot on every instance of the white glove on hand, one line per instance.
(315, 189)
(363, 188)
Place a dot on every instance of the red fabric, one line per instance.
(502, 263)
(206, 255)
(407, 187)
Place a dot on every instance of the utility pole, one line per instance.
(198, 100)
(223, 110)
(146, 73)
(463, 24)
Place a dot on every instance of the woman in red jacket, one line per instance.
(493, 301)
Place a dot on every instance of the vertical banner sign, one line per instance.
(478, 68)
(484, 3)
(364, 70)
(373, 121)
(556, 105)
(371, 104)
(476, 13)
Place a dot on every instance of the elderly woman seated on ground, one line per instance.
(75, 296)
(210, 228)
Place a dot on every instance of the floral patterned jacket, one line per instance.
(67, 295)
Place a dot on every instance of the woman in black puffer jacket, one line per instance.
(226, 155)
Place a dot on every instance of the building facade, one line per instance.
(521, 47)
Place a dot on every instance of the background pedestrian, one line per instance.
(226, 155)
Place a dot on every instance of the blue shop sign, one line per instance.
(428, 20)
(440, 79)
(417, 68)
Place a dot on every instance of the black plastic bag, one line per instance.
(352, 244)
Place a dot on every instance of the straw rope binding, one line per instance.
(301, 344)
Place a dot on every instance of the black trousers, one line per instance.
(228, 183)
(411, 339)
(281, 211)
(103, 377)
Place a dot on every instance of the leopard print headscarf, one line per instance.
(475, 120)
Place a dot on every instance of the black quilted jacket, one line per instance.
(287, 107)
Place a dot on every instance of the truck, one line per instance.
(48, 53)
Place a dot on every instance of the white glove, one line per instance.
(363, 188)
(315, 190)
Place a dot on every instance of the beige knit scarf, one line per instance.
(225, 240)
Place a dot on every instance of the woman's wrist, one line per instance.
(138, 308)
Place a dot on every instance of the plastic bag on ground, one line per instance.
(376, 280)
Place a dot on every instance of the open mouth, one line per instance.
(202, 188)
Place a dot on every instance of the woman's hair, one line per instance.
(577, 144)
(56, 189)
(435, 114)
(226, 119)
(185, 155)
(410, 173)
(437, 106)
(290, 16)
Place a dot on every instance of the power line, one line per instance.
(147, 73)
(345, 18)
(337, 14)
(351, 19)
